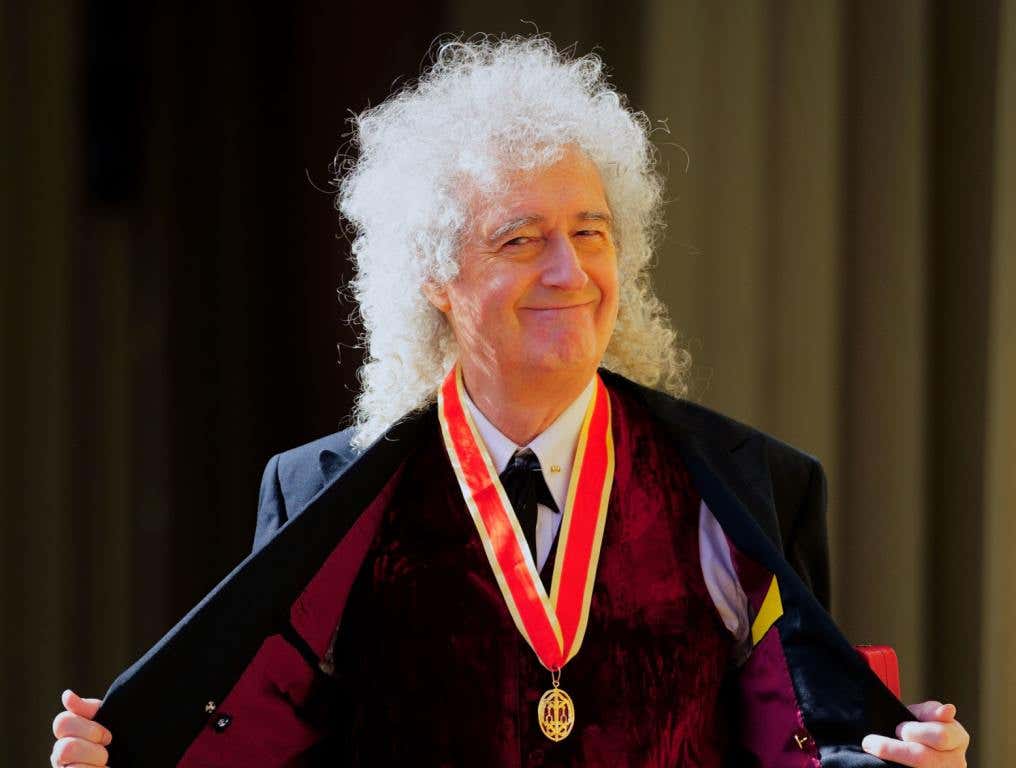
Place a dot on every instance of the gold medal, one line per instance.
(556, 711)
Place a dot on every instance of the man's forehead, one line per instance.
(570, 187)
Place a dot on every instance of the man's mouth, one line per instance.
(559, 307)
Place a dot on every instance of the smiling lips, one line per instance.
(558, 309)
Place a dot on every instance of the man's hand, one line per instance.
(80, 741)
(937, 740)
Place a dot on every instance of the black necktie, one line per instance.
(523, 482)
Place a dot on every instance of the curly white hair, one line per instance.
(486, 106)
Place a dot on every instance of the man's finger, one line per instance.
(79, 706)
(72, 750)
(903, 752)
(940, 736)
(69, 724)
(933, 710)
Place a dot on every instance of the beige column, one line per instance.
(996, 740)
(879, 555)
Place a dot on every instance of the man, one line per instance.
(545, 525)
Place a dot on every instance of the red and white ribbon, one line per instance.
(553, 626)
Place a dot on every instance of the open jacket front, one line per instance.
(232, 682)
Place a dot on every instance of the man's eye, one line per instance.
(588, 232)
(515, 241)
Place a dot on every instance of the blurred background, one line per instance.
(840, 259)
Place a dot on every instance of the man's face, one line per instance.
(537, 288)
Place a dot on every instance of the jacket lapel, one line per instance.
(201, 658)
(840, 699)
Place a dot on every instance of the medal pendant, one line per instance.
(556, 712)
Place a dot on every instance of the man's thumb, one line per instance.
(79, 706)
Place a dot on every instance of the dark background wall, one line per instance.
(170, 272)
(839, 259)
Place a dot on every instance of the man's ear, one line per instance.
(437, 295)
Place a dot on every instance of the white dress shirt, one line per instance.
(555, 448)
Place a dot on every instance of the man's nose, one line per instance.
(563, 269)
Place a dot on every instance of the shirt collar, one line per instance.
(554, 447)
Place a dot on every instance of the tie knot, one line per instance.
(524, 482)
(524, 460)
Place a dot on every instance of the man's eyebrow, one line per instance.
(524, 221)
(511, 226)
(603, 216)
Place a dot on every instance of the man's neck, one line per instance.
(522, 409)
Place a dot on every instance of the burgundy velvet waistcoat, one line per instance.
(437, 674)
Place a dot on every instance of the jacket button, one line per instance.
(803, 740)
(209, 707)
(222, 723)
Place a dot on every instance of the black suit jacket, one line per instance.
(768, 497)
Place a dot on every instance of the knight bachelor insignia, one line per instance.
(556, 713)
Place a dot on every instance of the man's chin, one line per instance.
(564, 363)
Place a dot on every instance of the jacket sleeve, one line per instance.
(271, 505)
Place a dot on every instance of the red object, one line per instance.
(883, 662)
